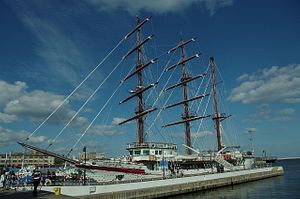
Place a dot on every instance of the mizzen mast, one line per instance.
(141, 111)
(218, 117)
(187, 117)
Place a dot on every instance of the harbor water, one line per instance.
(284, 187)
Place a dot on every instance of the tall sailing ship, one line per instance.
(154, 159)
(152, 154)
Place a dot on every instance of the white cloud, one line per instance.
(10, 91)
(213, 5)
(250, 130)
(39, 139)
(7, 118)
(117, 120)
(280, 119)
(243, 77)
(201, 134)
(274, 84)
(283, 115)
(287, 111)
(19, 103)
(133, 7)
(37, 104)
(8, 136)
(266, 114)
(78, 121)
(104, 130)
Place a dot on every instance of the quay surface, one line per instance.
(12, 194)
(168, 187)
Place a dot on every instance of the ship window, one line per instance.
(146, 152)
(156, 152)
(130, 152)
(159, 152)
(137, 152)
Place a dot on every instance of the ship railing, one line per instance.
(89, 182)
(152, 145)
(141, 179)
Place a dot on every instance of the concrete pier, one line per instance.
(169, 187)
(12, 194)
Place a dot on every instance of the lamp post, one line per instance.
(250, 132)
(84, 172)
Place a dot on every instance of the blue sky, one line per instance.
(48, 48)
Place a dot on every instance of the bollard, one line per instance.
(57, 191)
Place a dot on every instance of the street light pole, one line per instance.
(250, 132)
(84, 173)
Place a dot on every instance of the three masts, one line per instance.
(152, 152)
(187, 116)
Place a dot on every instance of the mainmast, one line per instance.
(218, 117)
(140, 89)
(187, 117)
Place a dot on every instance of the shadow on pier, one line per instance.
(12, 194)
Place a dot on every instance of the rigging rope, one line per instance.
(201, 121)
(103, 107)
(164, 70)
(198, 90)
(90, 97)
(55, 110)
(159, 113)
(161, 92)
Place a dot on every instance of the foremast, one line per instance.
(141, 111)
(140, 120)
(187, 117)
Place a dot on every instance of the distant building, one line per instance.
(91, 156)
(32, 158)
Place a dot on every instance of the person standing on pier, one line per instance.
(36, 176)
(2, 180)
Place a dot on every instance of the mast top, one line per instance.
(181, 44)
(140, 24)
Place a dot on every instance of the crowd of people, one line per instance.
(10, 179)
